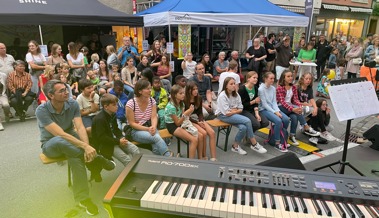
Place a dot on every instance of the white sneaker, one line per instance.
(311, 132)
(326, 135)
(313, 140)
(239, 150)
(1, 127)
(281, 148)
(293, 140)
(258, 148)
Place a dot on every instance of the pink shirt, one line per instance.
(140, 116)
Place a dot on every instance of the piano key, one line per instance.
(301, 213)
(285, 202)
(176, 188)
(195, 190)
(316, 206)
(348, 211)
(222, 197)
(291, 211)
(214, 194)
(147, 194)
(195, 200)
(371, 211)
(203, 191)
(253, 208)
(326, 208)
(204, 197)
(261, 209)
(209, 203)
(217, 204)
(251, 198)
(243, 196)
(303, 207)
(157, 198)
(188, 199)
(357, 211)
(157, 186)
(188, 189)
(340, 210)
(294, 203)
(365, 211)
(231, 204)
(311, 209)
(375, 209)
(168, 188)
(235, 196)
(246, 209)
(263, 199)
(180, 201)
(333, 209)
(224, 204)
(272, 201)
(239, 209)
(269, 210)
(280, 207)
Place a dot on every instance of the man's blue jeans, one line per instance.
(242, 123)
(279, 122)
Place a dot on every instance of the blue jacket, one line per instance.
(122, 99)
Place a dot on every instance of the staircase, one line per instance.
(141, 6)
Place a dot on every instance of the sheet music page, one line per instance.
(354, 100)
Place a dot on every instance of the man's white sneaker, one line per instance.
(258, 148)
(1, 127)
(239, 150)
(293, 140)
(281, 148)
(313, 140)
(311, 132)
(326, 135)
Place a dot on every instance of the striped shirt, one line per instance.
(22, 81)
(140, 116)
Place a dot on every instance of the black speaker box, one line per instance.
(373, 136)
(288, 160)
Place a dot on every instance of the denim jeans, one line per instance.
(58, 147)
(159, 147)
(125, 154)
(294, 119)
(120, 122)
(242, 123)
(277, 121)
(254, 122)
(129, 91)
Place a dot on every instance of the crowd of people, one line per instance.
(130, 96)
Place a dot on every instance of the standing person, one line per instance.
(6, 60)
(56, 119)
(155, 55)
(256, 54)
(332, 62)
(75, 60)
(164, 73)
(251, 100)
(321, 122)
(126, 51)
(37, 63)
(19, 84)
(118, 91)
(192, 97)
(107, 137)
(42, 80)
(307, 55)
(269, 108)
(112, 57)
(141, 113)
(321, 55)
(288, 102)
(188, 66)
(208, 66)
(355, 52)
(220, 65)
(234, 56)
(175, 117)
(229, 109)
(4, 98)
(232, 72)
(283, 56)
(271, 52)
(56, 56)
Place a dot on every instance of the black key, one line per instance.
(272, 201)
(294, 204)
(251, 194)
(326, 208)
(187, 191)
(285, 202)
(235, 192)
(202, 193)
(339, 209)
(263, 198)
(168, 188)
(195, 190)
(348, 210)
(357, 211)
(317, 207)
(175, 190)
(243, 197)
(214, 194)
(371, 212)
(303, 205)
(222, 197)
(156, 187)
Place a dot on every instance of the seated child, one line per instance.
(161, 98)
(323, 84)
(118, 91)
(321, 122)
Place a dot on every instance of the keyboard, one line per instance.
(154, 186)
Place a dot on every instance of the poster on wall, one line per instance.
(184, 36)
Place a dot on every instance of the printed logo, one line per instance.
(184, 17)
(33, 1)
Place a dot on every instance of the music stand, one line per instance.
(343, 162)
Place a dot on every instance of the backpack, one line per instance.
(283, 136)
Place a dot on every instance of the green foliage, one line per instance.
(375, 10)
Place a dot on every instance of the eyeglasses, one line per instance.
(62, 91)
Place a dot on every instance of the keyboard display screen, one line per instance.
(325, 185)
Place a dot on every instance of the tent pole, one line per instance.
(169, 37)
(250, 33)
(40, 33)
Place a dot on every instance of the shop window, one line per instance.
(343, 27)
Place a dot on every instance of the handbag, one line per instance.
(357, 60)
(187, 125)
(128, 132)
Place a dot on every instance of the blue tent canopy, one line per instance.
(221, 12)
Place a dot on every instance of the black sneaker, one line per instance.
(105, 163)
(90, 207)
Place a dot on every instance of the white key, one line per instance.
(146, 196)
(187, 201)
(224, 205)
(293, 214)
(269, 210)
(374, 211)
(333, 209)
(279, 208)
(280, 204)
(261, 210)
(201, 205)
(238, 213)
(231, 206)
(195, 201)
(209, 203)
(166, 198)
(364, 211)
(254, 209)
(301, 213)
(311, 210)
(180, 201)
(217, 204)
(158, 200)
(173, 201)
(246, 211)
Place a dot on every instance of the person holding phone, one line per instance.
(127, 50)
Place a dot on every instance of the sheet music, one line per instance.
(354, 100)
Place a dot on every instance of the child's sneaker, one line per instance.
(293, 140)
(281, 148)
(239, 150)
(311, 132)
(258, 148)
(313, 140)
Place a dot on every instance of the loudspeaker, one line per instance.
(373, 136)
(288, 160)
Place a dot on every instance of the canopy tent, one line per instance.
(221, 12)
(63, 12)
